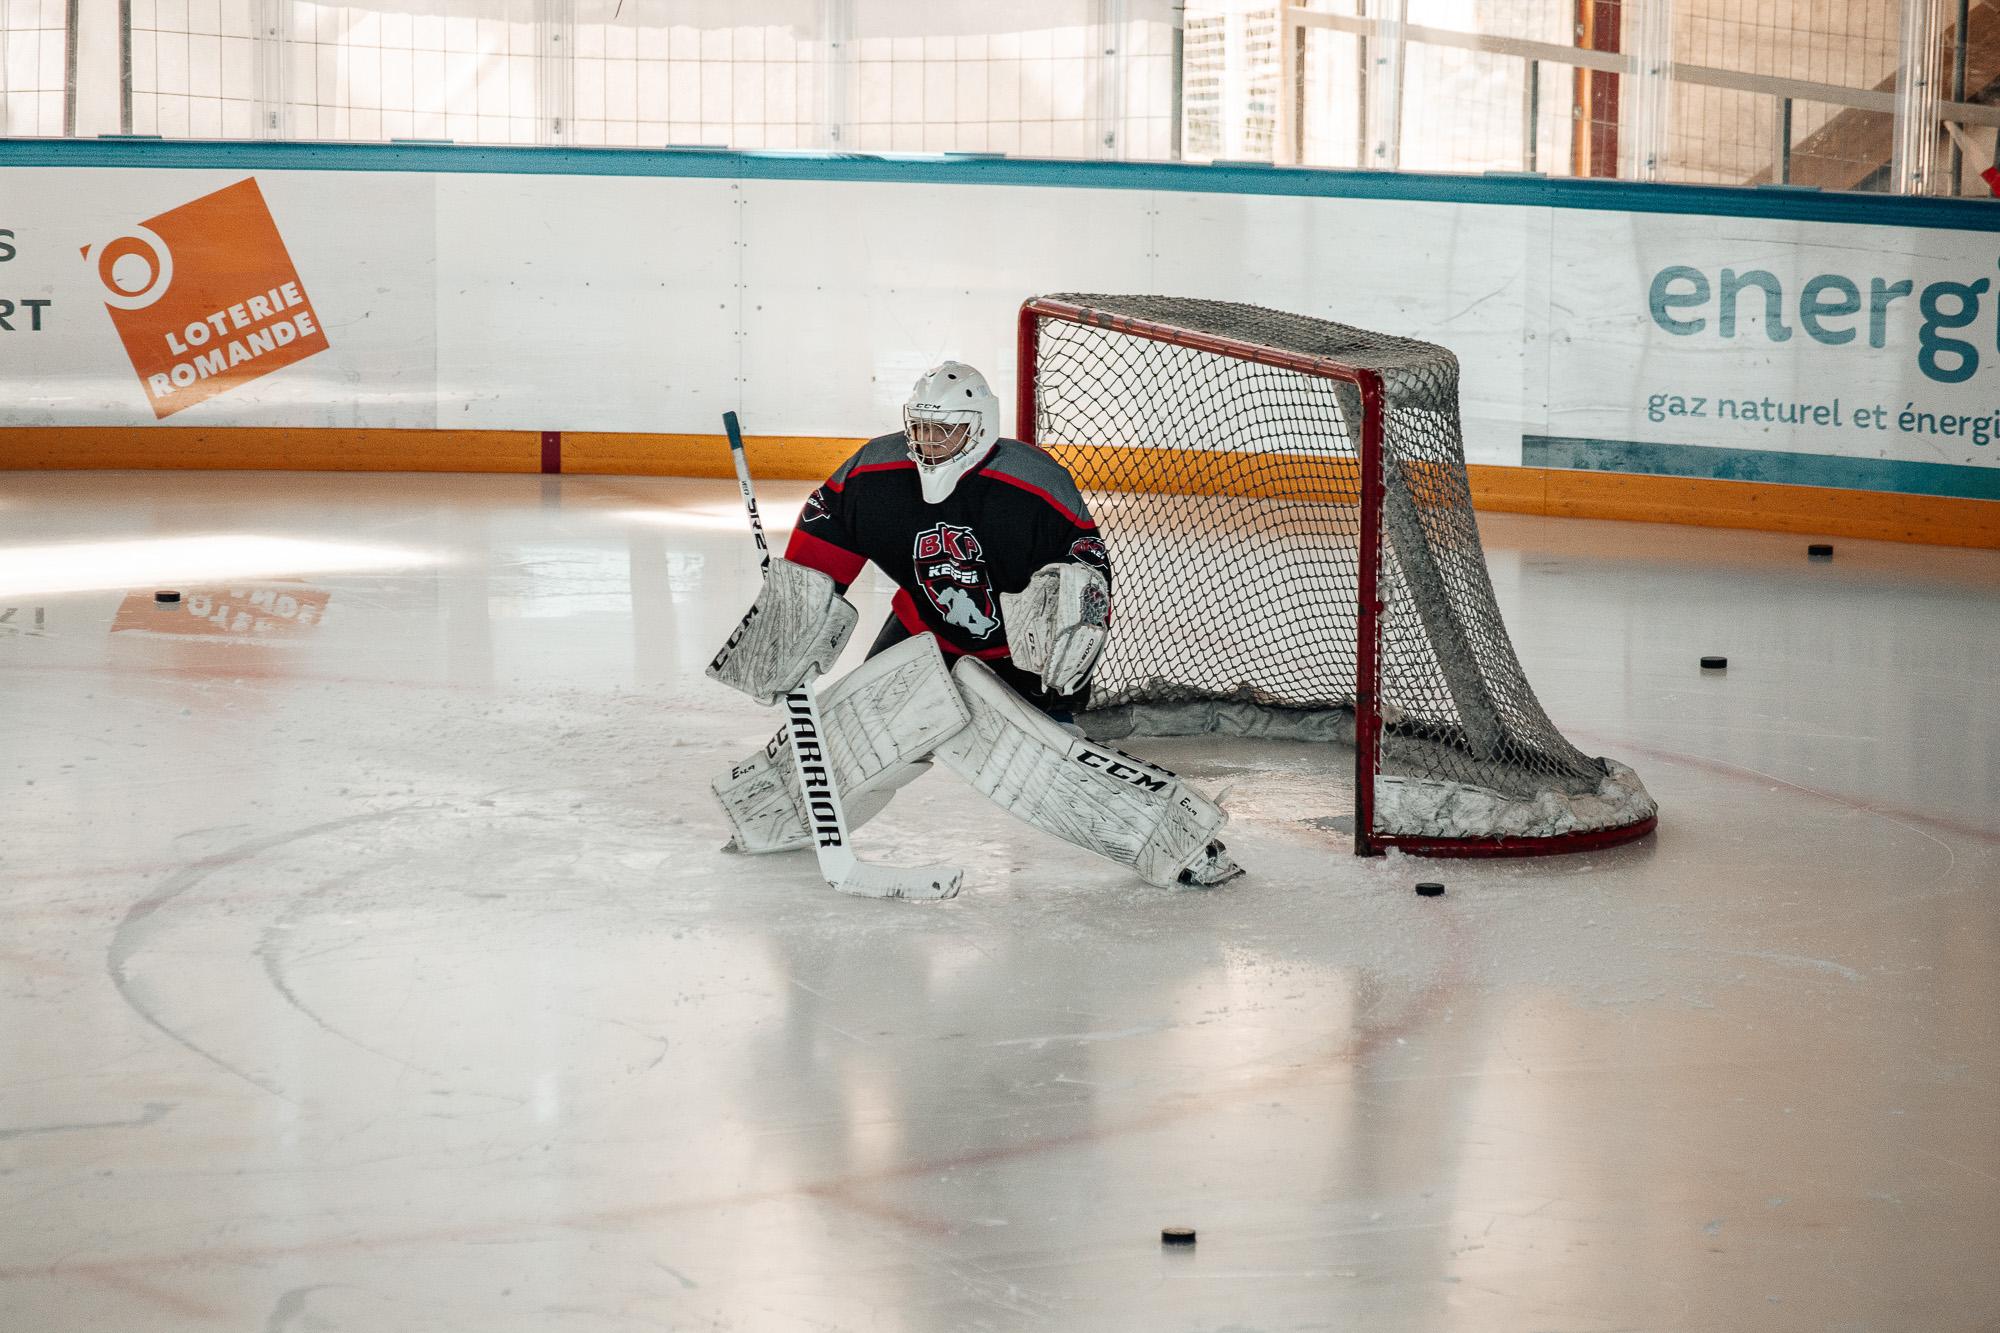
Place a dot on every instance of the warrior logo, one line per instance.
(815, 772)
(953, 575)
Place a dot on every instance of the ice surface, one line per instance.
(370, 963)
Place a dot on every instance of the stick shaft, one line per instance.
(742, 461)
(825, 814)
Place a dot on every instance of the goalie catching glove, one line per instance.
(1056, 625)
(792, 633)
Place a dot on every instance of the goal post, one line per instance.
(1294, 554)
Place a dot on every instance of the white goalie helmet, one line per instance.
(951, 422)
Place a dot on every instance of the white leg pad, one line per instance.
(1089, 795)
(881, 720)
(876, 797)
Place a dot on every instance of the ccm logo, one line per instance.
(734, 639)
(813, 768)
(1117, 767)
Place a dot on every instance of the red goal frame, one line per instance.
(1368, 624)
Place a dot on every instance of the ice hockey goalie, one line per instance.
(1003, 603)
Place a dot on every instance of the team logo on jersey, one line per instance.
(815, 506)
(1091, 551)
(952, 569)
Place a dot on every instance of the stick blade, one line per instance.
(919, 884)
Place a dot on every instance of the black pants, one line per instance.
(1061, 707)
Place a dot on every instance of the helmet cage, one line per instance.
(974, 423)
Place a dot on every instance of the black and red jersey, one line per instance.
(1016, 512)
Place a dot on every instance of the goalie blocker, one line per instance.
(792, 633)
(883, 719)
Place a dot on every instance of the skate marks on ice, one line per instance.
(142, 924)
(287, 961)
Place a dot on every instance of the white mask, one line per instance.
(950, 424)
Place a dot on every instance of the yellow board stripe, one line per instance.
(778, 457)
(1935, 520)
(1555, 492)
(269, 449)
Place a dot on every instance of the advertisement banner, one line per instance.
(211, 298)
(205, 298)
(1807, 353)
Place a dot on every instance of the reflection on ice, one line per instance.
(63, 567)
(776, 524)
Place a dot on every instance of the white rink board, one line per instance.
(587, 303)
(1354, 260)
(853, 289)
(653, 303)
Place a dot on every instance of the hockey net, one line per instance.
(1294, 554)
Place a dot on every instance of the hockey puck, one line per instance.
(1430, 890)
(1177, 1235)
(166, 596)
(1714, 663)
(1820, 551)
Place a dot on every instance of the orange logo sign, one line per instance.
(205, 298)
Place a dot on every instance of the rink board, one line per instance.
(473, 304)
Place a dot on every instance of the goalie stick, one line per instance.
(838, 864)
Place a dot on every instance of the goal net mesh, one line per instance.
(1228, 495)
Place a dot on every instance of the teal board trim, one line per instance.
(1498, 188)
(1762, 465)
